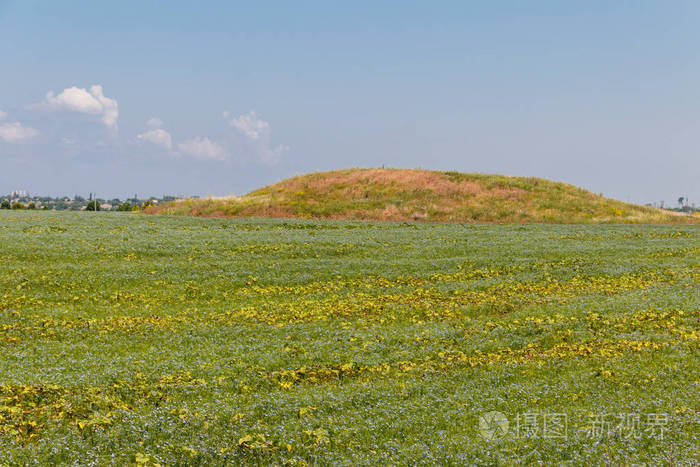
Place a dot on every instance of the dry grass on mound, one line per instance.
(422, 195)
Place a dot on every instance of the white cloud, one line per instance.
(16, 133)
(159, 137)
(202, 147)
(92, 101)
(154, 122)
(3, 115)
(250, 125)
(258, 135)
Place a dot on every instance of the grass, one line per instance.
(413, 195)
(130, 339)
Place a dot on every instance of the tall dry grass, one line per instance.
(412, 194)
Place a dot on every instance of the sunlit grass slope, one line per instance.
(406, 194)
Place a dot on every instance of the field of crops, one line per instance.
(171, 340)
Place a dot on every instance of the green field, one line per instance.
(150, 339)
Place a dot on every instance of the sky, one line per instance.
(221, 97)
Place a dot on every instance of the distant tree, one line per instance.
(124, 207)
(18, 205)
(5, 204)
(680, 201)
(93, 206)
(31, 205)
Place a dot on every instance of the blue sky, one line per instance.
(182, 97)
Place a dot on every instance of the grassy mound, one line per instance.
(408, 195)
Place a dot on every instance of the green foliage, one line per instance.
(5, 204)
(183, 341)
(93, 205)
(31, 205)
(78, 204)
(17, 205)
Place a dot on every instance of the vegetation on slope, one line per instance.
(403, 194)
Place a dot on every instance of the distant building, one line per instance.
(19, 194)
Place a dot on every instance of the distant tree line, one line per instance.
(79, 203)
(684, 205)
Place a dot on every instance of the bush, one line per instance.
(18, 205)
(93, 205)
(31, 206)
(5, 205)
(124, 207)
